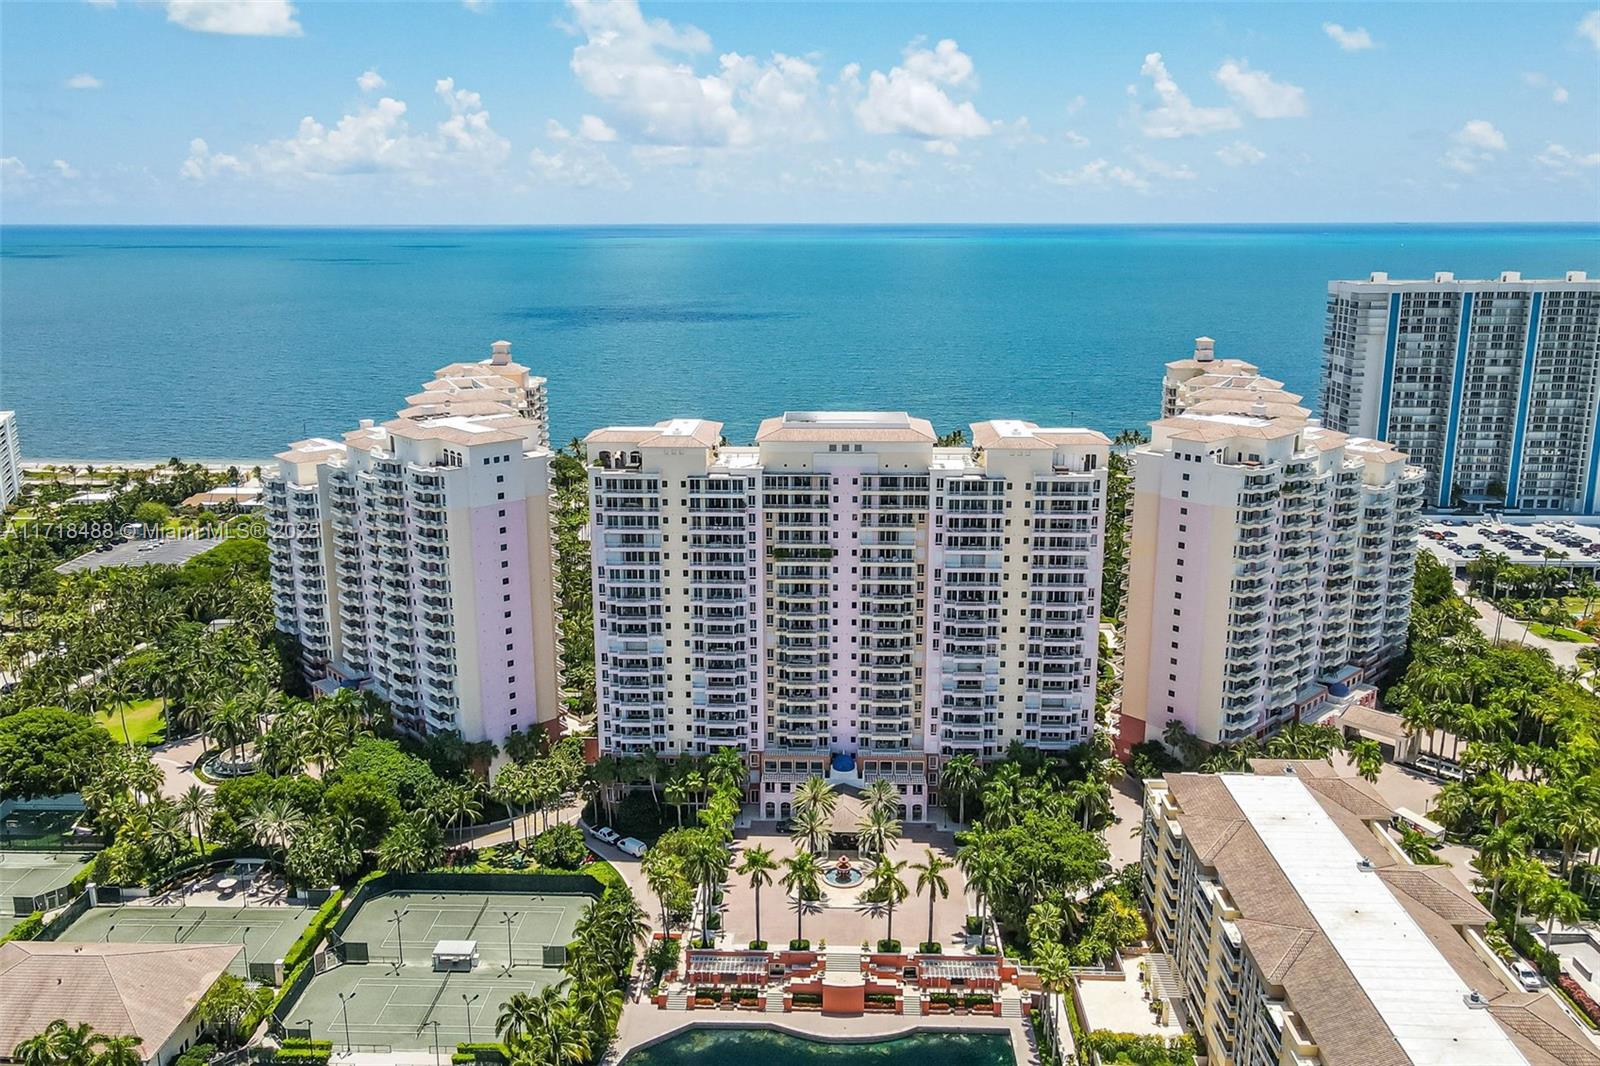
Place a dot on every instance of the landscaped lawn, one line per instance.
(1549, 632)
(145, 724)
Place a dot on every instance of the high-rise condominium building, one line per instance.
(1271, 561)
(1298, 932)
(1491, 386)
(844, 597)
(10, 459)
(416, 556)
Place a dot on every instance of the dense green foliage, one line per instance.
(45, 751)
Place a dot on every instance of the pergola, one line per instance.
(728, 967)
(976, 972)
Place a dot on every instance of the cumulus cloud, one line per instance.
(1258, 93)
(84, 81)
(578, 162)
(242, 18)
(1563, 161)
(13, 168)
(64, 169)
(1476, 143)
(1356, 40)
(1536, 80)
(1099, 172)
(594, 128)
(476, 6)
(1177, 115)
(644, 69)
(1076, 139)
(374, 139)
(913, 99)
(1589, 28)
(1240, 154)
(370, 81)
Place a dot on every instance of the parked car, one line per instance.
(632, 846)
(606, 834)
(1527, 976)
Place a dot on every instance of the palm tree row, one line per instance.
(63, 1044)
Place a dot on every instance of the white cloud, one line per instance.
(913, 98)
(579, 162)
(1536, 80)
(370, 81)
(102, 3)
(1160, 168)
(64, 169)
(1100, 172)
(1258, 93)
(476, 6)
(375, 139)
(1589, 28)
(594, 128)
(1076, 104)
(1076, 139)
(644, 69)
(1240, 154)
(1564, 161)
(1356, 40)
(13, 169)
(243, 18)
(1474, 144)
(1177, 115)
(203, 164)
(84, 81)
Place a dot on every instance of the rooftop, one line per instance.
(863, 426)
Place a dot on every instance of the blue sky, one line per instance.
(494, 112)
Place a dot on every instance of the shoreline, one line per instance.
(100, 465)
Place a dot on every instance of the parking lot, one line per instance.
(173, 551)
(1524, 541)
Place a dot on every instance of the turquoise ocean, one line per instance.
(227, 343)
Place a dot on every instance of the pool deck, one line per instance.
(643, 1024)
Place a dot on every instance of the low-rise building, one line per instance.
(1302, 936)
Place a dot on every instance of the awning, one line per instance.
(956, 969)
(455, 949)
(729, 964)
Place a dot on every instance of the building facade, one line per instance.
(1491, 386)
(1300, 935)
(415, 557)
(845, 598)
(10, 459)
(1271, 563)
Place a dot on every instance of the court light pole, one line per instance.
(244, 939)
(399, 937)
(469, 1003)
(435, 1024)
(345, 998)
(508, 921)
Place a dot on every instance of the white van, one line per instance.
(632, 846)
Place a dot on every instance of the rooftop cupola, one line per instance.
(500, 353)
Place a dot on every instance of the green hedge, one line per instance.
(481, 1051)
(302, 948)
(27, 929)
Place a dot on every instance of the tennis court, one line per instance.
(393, 1003)
(267, 933)
(37, 880)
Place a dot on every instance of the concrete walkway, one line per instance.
(1563, 653)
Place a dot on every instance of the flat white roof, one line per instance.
(456, 949)
(1416, 992)
(854, 419)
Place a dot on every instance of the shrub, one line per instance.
(302, 948)
(1581, 999)
(27, 929)
(481, 1051)
(800, 945)
(638, 816)
(974, 925)
(889, 947)
(560, 847)
(978, 999)
(199, 1055)
(882, 999)
(758, 945)
(931, 947)
(808, 998)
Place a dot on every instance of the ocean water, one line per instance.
(229, 343)
(721, 1047)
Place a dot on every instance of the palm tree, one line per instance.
(1367, 757)
(876, 832)
(1093, 799)
(274, 823)
(999, 803)
(815, 794)
(118, 1051)
(887, 881)
(812, 829)
(802, 876)
(979, 860)
(960, 779)
(1552, 900)
(1055, 976)
(519, 1016)
(882, 800)
(706, 864)
(662, 873)
(757, 864)
(930, 878)
(677, 794)
(196, 805)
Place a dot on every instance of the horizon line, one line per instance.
(1593, 224)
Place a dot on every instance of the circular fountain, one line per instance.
(844, 874)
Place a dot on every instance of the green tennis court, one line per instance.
(393, 1004)
(29, 880)
(267, 933)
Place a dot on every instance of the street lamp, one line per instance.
(244, 939)
(469, 1001)
(509, 919)
(435, 1024)
(344, 999)
(399, 937)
